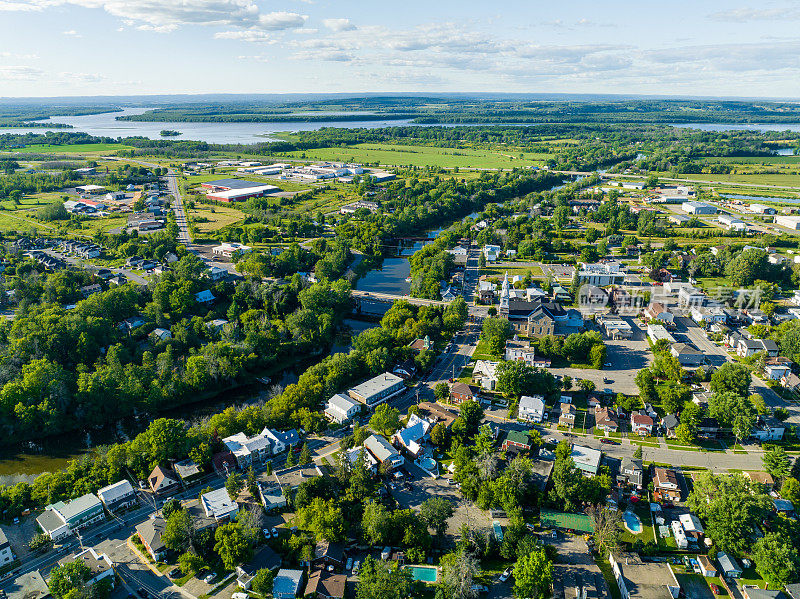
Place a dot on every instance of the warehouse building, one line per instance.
(698, 208)
(790, 222)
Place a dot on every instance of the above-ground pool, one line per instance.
(428, 464)
(427, 574)
(632, 522)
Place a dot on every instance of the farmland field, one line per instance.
(412, 155)
(219, 218)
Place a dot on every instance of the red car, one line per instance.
(715, 589)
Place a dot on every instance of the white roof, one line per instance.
(534, 403)
(236, 193)
(218, 503)
(586, 456)
(342, 403)
(114, 492)
(690, 523)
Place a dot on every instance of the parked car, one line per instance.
(175, 573)
(356, 566)
(505, 575)
(607, 364)
(210, 578)
(349, 565)
(608, 441)
(267, 533)
(715, 589)
(274, 533)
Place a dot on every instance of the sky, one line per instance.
(123, 47)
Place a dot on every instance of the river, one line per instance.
(106, 125)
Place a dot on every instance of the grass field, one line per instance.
(72, 149)
(218, 217)
(405, 155)
(512, 269)
(787, 180)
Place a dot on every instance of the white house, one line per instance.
(383, 452)
(118, 496)
(218, 504)
(491, 252)
(657, 332)
(341, 408)
(485, 374)
(531, 408)
(689, 296)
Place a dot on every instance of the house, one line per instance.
(605, 419)
(6, 554)
(291, 478)
(223, 462)
(687, 355)
(100, 566)
(218, 504)
(638, 579)
(728, 565)
(706, 567)
(204, 297)
(248, 450)
(163, 481)
(485, 374)
(72, 515)
(586, 459)
(708, 427)
(768, 428)
(149, 533)
(215, 273)
(341, 409)
(692, 526)
(631, 472)
(657, 311)
(777, 370)
(419, 345)
(383, 452)
(436, 413)
(518, 440)
(161, 334)
(762, 478)
(118, 496)
(325, 585)
(669, 423)
(461, 392)
(531, 408)
(287, 584)
(27, 586)
(359, 455)
(567, 417)
(229, 248)
(411, 438)
(264, 559)
(791, 382)
(665, 482)
(522, 352)
(641, 424)
(615, 328)
(329, 554)
(271, 495)
(187, 470)
(405, 369)
(709, 315)
(377, 389)
(281, 441)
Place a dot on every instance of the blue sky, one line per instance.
(117, 47)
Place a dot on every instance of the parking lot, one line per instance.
(626, 356)
(423, 487)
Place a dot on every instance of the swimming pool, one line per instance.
(632, 522)
(427, 574)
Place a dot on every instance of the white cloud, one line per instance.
(20, 73)
(249, 35)
(338, 24)
(164, 16)
(81, 78)
(71, 33)
(746, 15)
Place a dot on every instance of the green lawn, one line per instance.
(482, 352)
(412, 155)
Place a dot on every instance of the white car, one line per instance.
(607, 365)
(267, 533)
(210, 578)
(274, 532)
(349, 563)
(505, 575)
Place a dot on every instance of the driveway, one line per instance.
(575, 566)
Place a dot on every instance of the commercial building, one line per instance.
(790, 222)
(27, 586)
(377, 389)
(118, 496)
(657, 332)
(61, 518)
(762, 209)
(698, 208)
(240, 195)
(732, 223)
(229, 248)
(601, 274)
(90, 189)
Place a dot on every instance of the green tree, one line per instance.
(515, 379)
(495, 333)
(324, 518)
(746, 267)
(376, 523)
(790, 490)
(178, 531)
(190, 563)
(472, 414)
(377, 580)
(731, 377)
(67, 578)
(441, 391)
(385, 420)
(440, 435)
(533, 576)
(232, 545)
(435, 512)
(262, 582)
(459, 570)
(777, 463)
(170, 506)
(305, 455)
(234, 485)
(776, 559)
